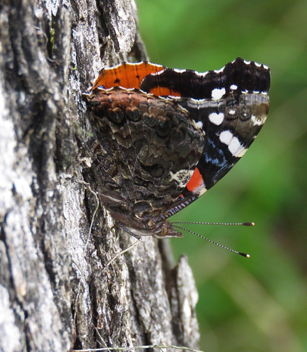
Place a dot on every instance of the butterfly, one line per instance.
(165, 136)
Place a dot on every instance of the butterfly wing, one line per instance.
(230, 105)
(147, 149)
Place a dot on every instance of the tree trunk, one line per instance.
(63, 285)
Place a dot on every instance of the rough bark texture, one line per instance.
(59, 288)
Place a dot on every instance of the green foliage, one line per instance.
(256, 304)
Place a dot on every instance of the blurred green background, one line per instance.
(256, 304)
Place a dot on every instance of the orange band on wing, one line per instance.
(126, 75)
(164, 91)
(195, 181)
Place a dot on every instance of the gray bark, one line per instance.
(61, 286)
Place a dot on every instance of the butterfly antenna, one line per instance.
(207, 239)
(216, 223)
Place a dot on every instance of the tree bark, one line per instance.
(63, 285)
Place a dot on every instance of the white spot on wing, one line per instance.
(225, 137)
(220, 70)
(217, 93)
(233, 87)
(158, 73)
(232, 112)
(215, 118)
(257, 121)
(200, 190)
(178, 70)
(233, 143)
(199, 124)
(236, 148)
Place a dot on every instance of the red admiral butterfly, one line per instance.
(165, 136)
